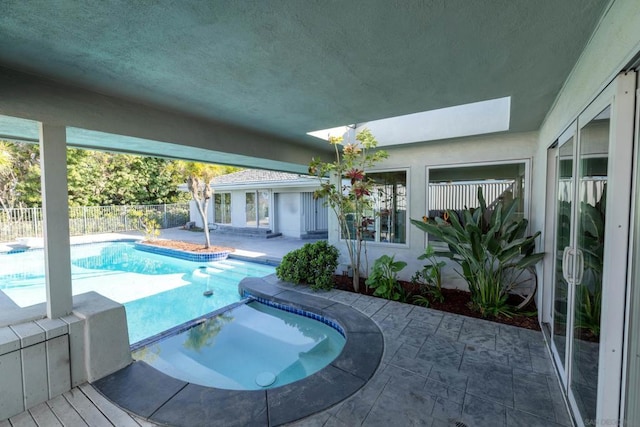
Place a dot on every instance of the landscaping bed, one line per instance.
(455, 301)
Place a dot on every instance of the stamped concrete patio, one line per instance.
(438, 369)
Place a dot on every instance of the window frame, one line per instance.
(527, 187)
(377, 242)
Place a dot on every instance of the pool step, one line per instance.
(227, 271)
(309, 361)
(194, 371)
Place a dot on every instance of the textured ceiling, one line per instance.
(288, 67)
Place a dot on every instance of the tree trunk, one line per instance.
(194, 184)
(202, 209)
(356, 280)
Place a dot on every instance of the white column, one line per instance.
(55, 209)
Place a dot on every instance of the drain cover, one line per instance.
(265, 379)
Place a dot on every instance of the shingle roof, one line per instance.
(247, 176)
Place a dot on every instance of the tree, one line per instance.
(199, 177)
(5, 158)
(350, 201)
(6, 174)
(19, 174)
(94, 178)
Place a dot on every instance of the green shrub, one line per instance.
(313, 264)
(384, 278)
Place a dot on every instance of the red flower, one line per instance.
(355, 175)
(360, 191)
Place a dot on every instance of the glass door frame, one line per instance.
(620, 95)
(631, 374)
(570, 134)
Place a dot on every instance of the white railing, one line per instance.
(27, 222)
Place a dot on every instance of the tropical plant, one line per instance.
(429, 278)
(351, 201)
(384, 278)
(313, 264)
(484, 249)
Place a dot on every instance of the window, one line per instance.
(388, 219)
(222, 206)
(456, 188)
(257, 208)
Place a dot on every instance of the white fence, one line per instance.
(27, 222)
(458, 196)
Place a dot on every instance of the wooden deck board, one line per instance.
(86, 409)
(116, 415)
(65, 412)
(23, 419)
(44, 416)
(81, 406)
(76, 410)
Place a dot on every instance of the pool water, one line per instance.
(158, 292)
(250, 347)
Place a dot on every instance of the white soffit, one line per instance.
(452, 122)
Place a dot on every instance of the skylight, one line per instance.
(476, 118)
(326, 133)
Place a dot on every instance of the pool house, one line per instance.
(536, 100)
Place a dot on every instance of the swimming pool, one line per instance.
(158, 291)
(250, 347)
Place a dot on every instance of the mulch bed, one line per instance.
(455, 301)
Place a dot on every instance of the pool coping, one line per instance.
(157, 397)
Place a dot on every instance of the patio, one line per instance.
(437, 369)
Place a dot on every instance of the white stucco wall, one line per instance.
(415, 159)
(286, 212)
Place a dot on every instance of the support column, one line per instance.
(55, 210)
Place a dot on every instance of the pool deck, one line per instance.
(437, 369)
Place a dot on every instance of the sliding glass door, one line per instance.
(565, 195)
(593, 187)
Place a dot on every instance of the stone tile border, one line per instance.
(147, 392)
